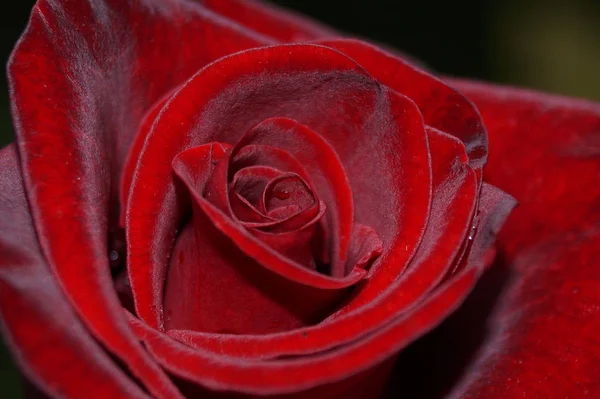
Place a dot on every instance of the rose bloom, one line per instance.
(220, 199)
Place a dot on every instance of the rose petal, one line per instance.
(131, 158)
(189, 163)
(542, 341)
(443, 354)
(296, 375)
(269, 156)
(287, 190)
(212, 286)
(51, 345)
(365, 246)
(442, 107)
(552, 170)
(294, 237)
(251, 181)
(80, 84)
(392, 190)
(274, 80)
(246, 190)
(325, 170)
(455, 195)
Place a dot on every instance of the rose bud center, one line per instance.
(261, 234)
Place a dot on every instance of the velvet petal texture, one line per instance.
(316, 86)
(298, 375)
(382, 159)
(326, 171)
(51, 345)
(304, 374)
(222, 279)
(454, 194)
(80, 81)
(442, 108)
(543, 340)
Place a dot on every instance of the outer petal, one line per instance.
(50, 344)
(301, 374)
(547, 155)
(443, 107)
(81, 78)
(544, 341)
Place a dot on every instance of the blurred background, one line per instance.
(548, 45)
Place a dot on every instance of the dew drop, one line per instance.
(113, 255)
(472, 233)
(282, 194)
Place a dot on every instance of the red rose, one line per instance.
(220, 199)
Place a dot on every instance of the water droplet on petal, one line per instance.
(282, 194)
(472, 233)
(113, 255)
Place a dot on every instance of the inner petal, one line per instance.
(286, 193)
(246, 191)
(326, 172)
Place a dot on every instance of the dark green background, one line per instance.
(548, 45)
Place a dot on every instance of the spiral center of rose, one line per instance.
(264, 197)
(285, 195)
(274, 207)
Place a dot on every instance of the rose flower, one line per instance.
(218, 199)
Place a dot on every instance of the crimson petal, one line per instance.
(245, 191)
(79, 87)
(325, 170)
(443, 107)
(393, 190)
(295, 375)
(53, 348)
(269, 156)
(213, 286)
(543, 341)
(554, 142)
(245, 241)
(275, 78)
(455, 189)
